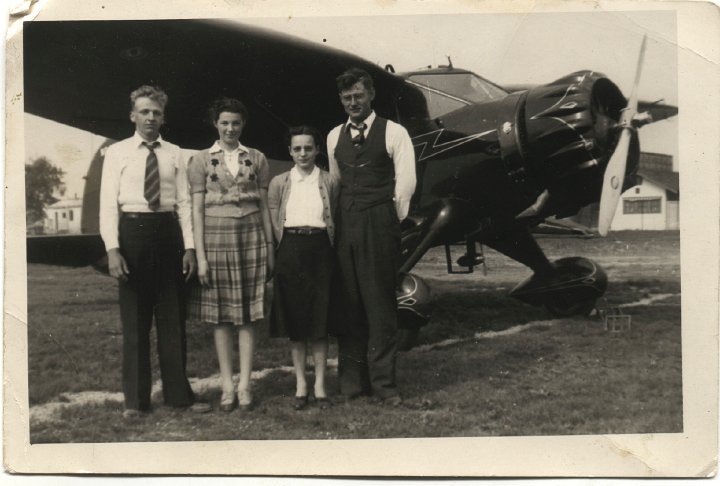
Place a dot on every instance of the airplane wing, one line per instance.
(194, 61)
(68, 250)
(80, 73)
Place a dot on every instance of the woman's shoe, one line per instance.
(300, 402)
(245, 399)
(322, 402)
(228, 400)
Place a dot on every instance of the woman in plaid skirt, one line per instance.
(233, 242)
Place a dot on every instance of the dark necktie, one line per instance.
(152, 177)
(358, 139)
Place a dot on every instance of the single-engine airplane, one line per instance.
(491, 164)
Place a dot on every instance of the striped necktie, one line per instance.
(358, 139)
(152, 177)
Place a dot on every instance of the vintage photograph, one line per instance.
(332, 228)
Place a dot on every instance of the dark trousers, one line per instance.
(368, 252)
(153, 248)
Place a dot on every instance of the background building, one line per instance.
(63, 217)
(653, 204)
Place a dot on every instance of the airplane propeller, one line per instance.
(615, 170)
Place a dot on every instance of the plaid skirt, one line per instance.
(236, 252)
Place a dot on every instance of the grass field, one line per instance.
(552, 377)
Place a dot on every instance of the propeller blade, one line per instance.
(613, 182)
(615, 170)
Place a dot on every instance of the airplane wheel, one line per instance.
(406, 339)
(567, 309)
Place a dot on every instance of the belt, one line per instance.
(153, 215)
(305, 231)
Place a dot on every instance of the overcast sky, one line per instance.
(509, 48)
(505, 48)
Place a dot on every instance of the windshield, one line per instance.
(447, 92)
(467, 86)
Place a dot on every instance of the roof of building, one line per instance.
(665, 179)
(66, 204)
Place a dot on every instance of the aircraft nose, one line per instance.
(564, 136)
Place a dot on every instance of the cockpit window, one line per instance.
(439, 103)
(467, 86)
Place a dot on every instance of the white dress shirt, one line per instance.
(304, 205)
(399, 147)
(122, 186)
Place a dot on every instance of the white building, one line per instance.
(652, 204)
(63, 217)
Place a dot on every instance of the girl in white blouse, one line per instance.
(301, 203)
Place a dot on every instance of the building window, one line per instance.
(71, 215)
(641, 205)
(63, 215)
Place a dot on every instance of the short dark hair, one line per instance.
(304, 130)
(354, 75)
(227, 105)
(152, 92)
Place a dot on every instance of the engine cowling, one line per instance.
(560, 137)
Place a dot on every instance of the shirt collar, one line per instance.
(138, 140)
(297, 176)
(216, 148)
(368, 122)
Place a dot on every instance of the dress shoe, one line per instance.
(323, 402)
(391, 401)
(133, 413)
(228, 400)
(245, 399)
(300, 402)
(200, 407)
(343, 399)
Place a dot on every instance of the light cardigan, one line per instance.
(279, 193)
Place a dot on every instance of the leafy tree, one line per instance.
(42, 179)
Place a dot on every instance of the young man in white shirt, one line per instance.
(146, 227)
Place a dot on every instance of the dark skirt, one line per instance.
(304, 268)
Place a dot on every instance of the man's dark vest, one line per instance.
(367, 172)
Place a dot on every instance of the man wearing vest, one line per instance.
(375, 160)
(146, 227)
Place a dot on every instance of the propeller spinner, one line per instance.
(615, 170)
